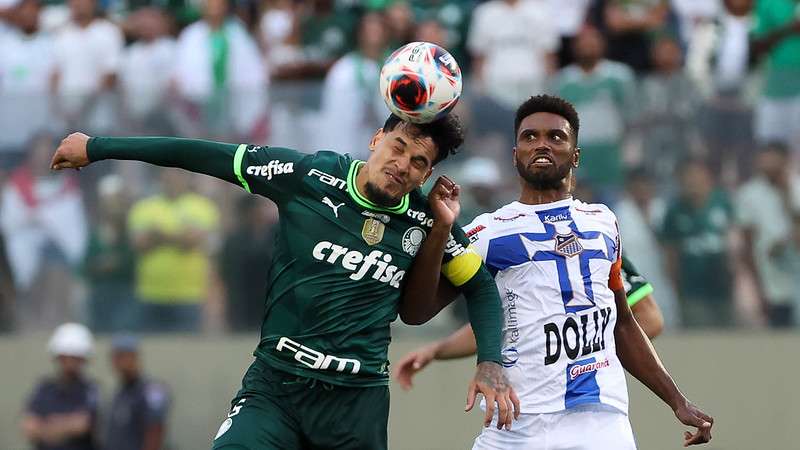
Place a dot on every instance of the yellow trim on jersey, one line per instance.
(463, 267)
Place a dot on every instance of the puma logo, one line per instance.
(335, 208)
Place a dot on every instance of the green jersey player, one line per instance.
(349, 231)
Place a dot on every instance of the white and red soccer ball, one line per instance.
(420, 82)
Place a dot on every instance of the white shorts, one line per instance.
(585, 427)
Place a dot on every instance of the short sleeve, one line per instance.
(157, 401)
(273, 172)
(461, 261)
(635, 285)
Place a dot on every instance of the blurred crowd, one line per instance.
(690, 130)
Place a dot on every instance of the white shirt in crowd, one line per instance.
(513, 40)
(759, 206)
(145, 74)
(84, 56)
(26, 68)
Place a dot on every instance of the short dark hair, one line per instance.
(447, 133)
(549, 104)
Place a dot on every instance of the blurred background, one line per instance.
(690, 130)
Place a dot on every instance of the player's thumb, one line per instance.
(472, 392)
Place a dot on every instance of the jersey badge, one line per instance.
(568, 245)
(412, 240)
(372, 231)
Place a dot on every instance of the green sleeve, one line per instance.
(485, 314)
(269, 171)
(636, 286)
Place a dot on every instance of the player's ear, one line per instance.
(514, 156)
(576, 157)
(375, 139)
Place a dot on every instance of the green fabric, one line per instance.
(330, 290)
(700, 235)
(636, 286)
(481, 292)
(352, 189)
(277, 411)
(782, 77)
(219, 57)
(237, 166)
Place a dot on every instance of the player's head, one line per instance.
(546, 135)
(403, 155)
(125, 356)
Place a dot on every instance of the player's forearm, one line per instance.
(206, 157)
(639, 358)
(460, 344)
(485, 314)
(419, 302)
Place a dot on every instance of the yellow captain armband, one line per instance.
(463, 267)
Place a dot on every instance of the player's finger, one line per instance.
(514, 401)
(490, 400)
(445, 181)
(503, 416)
(456, 191)
(472, 392)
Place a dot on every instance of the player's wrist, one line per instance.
(441, 228)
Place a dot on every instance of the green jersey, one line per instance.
(636, 286)
(337, 272)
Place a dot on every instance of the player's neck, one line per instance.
(533, 196)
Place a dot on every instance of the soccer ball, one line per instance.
(420, 82)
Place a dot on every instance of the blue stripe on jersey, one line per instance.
(583, 388)
(509, 251)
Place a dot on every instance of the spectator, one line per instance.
(777, 38)
(87, 55)
(454, 17)
(145, 70)
(768, 208)
(36, 208)
(26, 72)
(326, 34)
(137, 419)
(351, 111)
(280, 37)
(639, 214)
(109, 261)
(61, 413)
(692, 15)
(400, 21)
(571, 16)
(433, 32)
(696, 234)
(171, 234)
(669, 100)
(509, 62)
(244, 261)
(220, 77)
(629, 26)
(602, 92)
(723, 62)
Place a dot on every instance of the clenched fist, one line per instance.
(71, 153)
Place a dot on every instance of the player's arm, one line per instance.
(465, 270)
(261, 170)
(648, 316)
(640, 359)
(460, 344)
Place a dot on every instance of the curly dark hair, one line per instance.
(549, 104)
(447, 133)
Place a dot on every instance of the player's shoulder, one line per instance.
(493, 223)
(597, 213)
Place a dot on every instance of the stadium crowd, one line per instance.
(690, 113)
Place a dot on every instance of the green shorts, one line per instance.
(275, 410)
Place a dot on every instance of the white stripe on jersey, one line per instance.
(551, 264)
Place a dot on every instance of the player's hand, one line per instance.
(690, 415)
(71, 153)
(492, 383)
(444, 202)
(413, 362)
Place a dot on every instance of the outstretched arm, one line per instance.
(640, 360)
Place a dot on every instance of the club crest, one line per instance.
(568, 245)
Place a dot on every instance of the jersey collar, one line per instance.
(355, 166)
